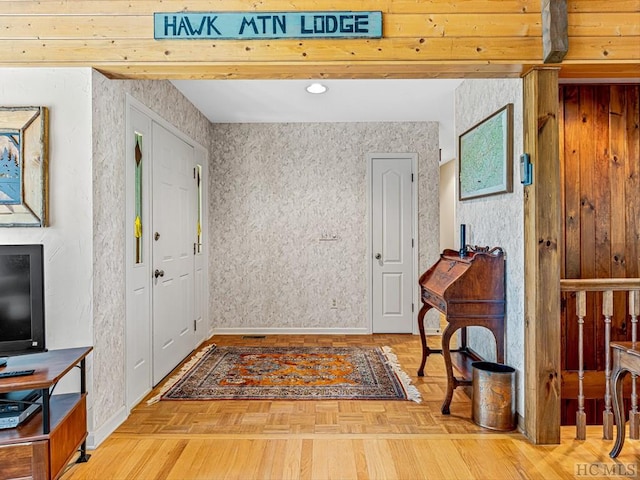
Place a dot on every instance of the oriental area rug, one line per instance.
(290, 373)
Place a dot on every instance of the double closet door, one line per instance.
(165, 255)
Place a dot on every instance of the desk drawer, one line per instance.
(25, 460)
(434, 301)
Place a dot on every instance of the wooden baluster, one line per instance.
(607, 415)
(581, 417)
(634, 414)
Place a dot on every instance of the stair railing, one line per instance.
(607, 286)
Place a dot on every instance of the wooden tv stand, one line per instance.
(44, 444)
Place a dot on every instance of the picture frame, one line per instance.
(24, 138)
(485, 156)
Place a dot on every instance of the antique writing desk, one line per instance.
(468, 287)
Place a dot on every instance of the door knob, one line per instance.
(158, 273)
(378, 256)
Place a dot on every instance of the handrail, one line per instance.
(598, 284)
(606, 286)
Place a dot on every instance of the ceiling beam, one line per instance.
(555, 37)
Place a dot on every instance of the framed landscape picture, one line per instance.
(485, 156)
(23, 166)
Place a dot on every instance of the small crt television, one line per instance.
(21, 299)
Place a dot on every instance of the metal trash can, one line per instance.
(493, 395)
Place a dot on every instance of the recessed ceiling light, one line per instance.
(316, 88)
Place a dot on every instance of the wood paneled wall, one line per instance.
(421, 39)
(600, 169)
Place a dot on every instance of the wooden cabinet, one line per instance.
(43, 445)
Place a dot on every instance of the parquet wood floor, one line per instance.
(255, 439)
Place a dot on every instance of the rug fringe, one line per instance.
(411, 390)
(179, 374)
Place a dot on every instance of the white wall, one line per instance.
(68, 248)
(274, 188)
(498, 220)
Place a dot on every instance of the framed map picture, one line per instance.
(485, 156)
(23, 166)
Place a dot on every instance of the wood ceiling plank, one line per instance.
(393, 26)
(613, 49)
(607, 24)
(90, 52)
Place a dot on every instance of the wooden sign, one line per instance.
(264, 25)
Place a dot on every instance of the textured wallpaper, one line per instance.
(108, 220)
(274, 190)
(498, 220)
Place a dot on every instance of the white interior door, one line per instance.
(138, 325)
(392, 243)
(174, 234)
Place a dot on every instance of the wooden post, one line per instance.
(542, 253)
(555, 36)
(581, 417)
(607, 415)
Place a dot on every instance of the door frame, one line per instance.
(201, 154)
(415, 294)
(202, 158)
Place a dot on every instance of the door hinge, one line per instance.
(194, 173)
(412, 178)
(195, 325)
(413, 306)
(194, 248)
(412, 243)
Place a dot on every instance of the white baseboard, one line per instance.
(100, 434)
(291, 331)
(304, 331)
